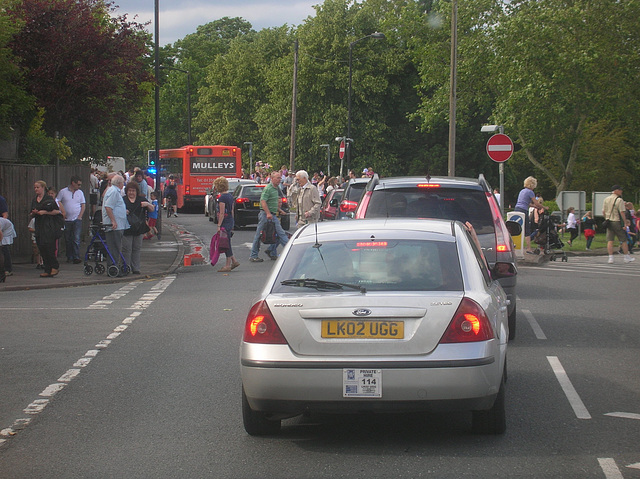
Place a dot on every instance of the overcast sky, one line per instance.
(178, 18)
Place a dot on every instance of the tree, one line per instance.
(14, 100)
(195, 54)
(85, 68)
(561, 67)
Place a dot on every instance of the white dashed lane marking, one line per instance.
(38, 405)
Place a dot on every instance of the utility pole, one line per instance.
(292, 147)
(452, 92)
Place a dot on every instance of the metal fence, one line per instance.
(16, 185)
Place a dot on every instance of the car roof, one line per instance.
(358, 180)
(453, 182)
(375, 225)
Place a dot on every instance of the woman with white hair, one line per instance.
(308, 200)
(527, 198)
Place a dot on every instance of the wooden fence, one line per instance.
(16, 185)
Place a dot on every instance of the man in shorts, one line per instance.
(613, 209)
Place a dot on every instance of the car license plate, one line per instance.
(362, 329)
(362, 383)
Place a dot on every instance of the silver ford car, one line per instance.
(384, 315)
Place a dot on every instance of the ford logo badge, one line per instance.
(361, 312)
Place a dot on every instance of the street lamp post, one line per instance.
(328, 147)
(188, 98)
(499, 129)
(250, 143)
(377, 36)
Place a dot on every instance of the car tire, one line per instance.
(494, 420)
(256, 423)
(512, 325)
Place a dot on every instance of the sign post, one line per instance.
(500, 149)
(341, 155)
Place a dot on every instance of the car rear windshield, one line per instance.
(390, 265)
(252, 191)
(354, 192)
(441, 203)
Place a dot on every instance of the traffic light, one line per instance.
(151, 158)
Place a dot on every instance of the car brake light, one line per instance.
(428, 185)
(348, 206)
(503, 238)
(242, 200)
(470, 323)
(261, 327)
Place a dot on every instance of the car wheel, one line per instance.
(512, 325)
(494, 420)
(256, 422)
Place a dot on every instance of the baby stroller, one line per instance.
(547, 237)
(98, 250)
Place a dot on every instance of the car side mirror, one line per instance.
(503, 270)
(514, 228)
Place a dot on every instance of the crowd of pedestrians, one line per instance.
(126, 207)
(122, 203)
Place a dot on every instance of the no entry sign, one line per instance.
(499, 147)
(341, 149)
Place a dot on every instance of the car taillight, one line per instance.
(242, 200)
(261, 327)
(348, 206)
(503, 238)
(470, 323)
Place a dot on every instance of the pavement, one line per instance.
(158, 258)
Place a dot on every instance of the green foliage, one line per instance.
(561, 68)
(14, 100)
(559, 75)
(40, 148)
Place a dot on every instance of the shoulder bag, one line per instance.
(607, 223)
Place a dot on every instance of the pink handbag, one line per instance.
(214, 251)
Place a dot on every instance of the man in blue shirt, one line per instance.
(114, 218)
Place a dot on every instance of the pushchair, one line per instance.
(547, 237)
(98, 251)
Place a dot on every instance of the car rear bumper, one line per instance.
(247, 217)
(290, 388)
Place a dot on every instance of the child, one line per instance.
(35, 252)
(589, 228)
(153, 217)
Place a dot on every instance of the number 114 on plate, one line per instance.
(362, 383)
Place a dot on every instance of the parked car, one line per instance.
(377, 316)
(351, 197)
(209, 206)
(247, 205)
(463, 199)
(330, 205)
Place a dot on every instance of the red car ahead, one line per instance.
(329, 209)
